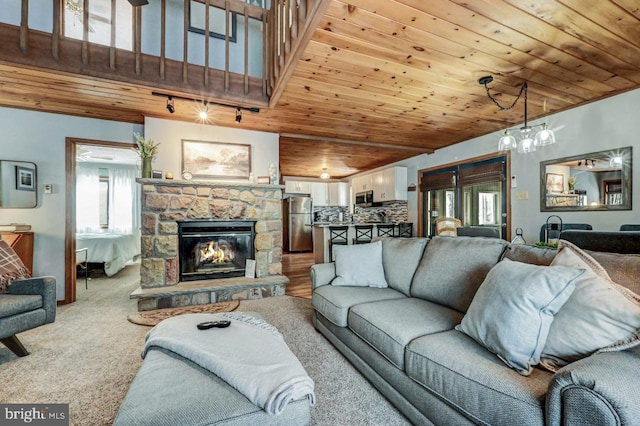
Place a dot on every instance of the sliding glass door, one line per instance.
(474, 192)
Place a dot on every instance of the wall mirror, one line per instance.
(593, 181)
(18, 184)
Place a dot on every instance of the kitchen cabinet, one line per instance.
(390, 184)
(362, 183)
(338, 194)
(330, 193)
(297, 187)
(320, 193)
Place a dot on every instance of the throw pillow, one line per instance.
(359, 265)
(599, 315)
(11, 267)
(513, 309)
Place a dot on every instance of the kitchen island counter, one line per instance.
(321, 236)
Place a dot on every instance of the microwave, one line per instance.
(364, 199)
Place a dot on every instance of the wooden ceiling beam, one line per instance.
(361, 143)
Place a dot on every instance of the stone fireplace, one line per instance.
(172, 209)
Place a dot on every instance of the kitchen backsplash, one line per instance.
(396, 211)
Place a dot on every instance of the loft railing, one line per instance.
(167, 49)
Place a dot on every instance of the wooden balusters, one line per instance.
(226, 46)
(246, 50)
(24, 27)
(57, 29)
(206, 43)
(163, 38)
(185, 42)
(85, 32)
(112, 46)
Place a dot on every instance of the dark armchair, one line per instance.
(28, 303)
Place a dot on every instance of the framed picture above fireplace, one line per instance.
(216, 159)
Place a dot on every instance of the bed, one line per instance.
(114, 250)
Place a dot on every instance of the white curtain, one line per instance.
(87, 199)
(124, 200)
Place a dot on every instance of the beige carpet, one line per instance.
(89, 356)
(151, 318)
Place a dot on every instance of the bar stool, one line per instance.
(386, 230)
(405, 230)
(364, 234)
(337, 235)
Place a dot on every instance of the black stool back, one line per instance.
(386, 230)
(364, 234)
(337, 235)
(405, 230)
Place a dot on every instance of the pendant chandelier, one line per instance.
(527, 141)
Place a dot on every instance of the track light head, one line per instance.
(135, 3)
(170, 107)
(238, 115)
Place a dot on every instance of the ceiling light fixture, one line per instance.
(203, 112)
(324, 174)
(170, 107)
(528, 142)
(616, 162)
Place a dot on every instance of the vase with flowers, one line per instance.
(572, 184)
(147, 150)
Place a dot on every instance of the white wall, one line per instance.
(264, 146)
(40, 138)
(607, 124)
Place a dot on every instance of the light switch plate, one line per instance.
(48, 188)
(522, 195)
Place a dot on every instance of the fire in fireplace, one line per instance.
(210, 249)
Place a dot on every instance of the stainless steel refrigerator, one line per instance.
(298, 223)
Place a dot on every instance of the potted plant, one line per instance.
(147, 150)
(572, 184)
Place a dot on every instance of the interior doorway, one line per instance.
(79, 150)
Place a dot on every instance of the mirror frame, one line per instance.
(625, 171)
(33, 188)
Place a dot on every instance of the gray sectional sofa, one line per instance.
(403, 339)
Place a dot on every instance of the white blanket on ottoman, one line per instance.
(250, 355)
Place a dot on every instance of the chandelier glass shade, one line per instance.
(527, 140)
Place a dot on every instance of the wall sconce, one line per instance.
(528, 142)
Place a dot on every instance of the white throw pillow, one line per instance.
(513, 309)
(599, 315)
(359, 265)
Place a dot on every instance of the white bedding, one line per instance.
(114, 250)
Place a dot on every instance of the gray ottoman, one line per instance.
(170, 390)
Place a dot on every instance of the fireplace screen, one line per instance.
(214, 249)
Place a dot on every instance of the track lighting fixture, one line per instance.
(528, 142)
(203, 109)
(203, 113)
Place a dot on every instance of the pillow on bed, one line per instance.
(359, 265)
(11, 267)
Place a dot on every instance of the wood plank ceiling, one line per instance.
(383, 80)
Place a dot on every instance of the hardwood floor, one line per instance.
(296, 267)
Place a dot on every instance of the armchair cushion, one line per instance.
(11, 267)
(12, 304)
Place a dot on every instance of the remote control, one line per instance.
(211, 324)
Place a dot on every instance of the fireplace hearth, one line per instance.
(214, 249)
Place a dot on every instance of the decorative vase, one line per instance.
(146, 167)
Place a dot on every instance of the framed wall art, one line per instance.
(25, 179)
(555, 183)
(216, 159)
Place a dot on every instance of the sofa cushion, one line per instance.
(11, 267)
(388, 326)
(514, 307)
(598, 314)
(333, 302)
(530, 254)
(452, 269)
(13, 304)
(470, 378)
(359, 265)
(400, 258)
(624, 269)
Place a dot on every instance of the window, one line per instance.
(104, 201)
(474, 192)
(100, 22)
